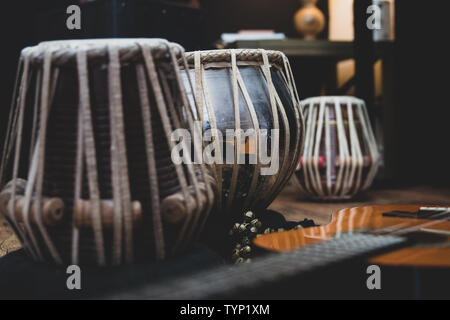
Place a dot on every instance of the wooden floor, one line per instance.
(294, 208)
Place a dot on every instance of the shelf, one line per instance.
(336, 50)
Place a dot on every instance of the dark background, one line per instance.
(422, 84)
(422, 113)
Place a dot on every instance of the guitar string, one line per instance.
(386, 230)
(418, 227)
(411, 225)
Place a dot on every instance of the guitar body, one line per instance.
(426, 253)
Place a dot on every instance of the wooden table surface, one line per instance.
(290, 204)
(294, 208)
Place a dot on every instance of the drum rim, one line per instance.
(332, 99)
(247, 55)
(65, 51)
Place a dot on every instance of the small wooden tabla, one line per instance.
(250, 92)
(340, 157)
(90, 134)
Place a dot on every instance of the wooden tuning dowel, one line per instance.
(83, 213)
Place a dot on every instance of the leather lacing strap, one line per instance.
(21, 111)
(193, 177)
(300, 115)
(79, 164)
(35, 114)
(237, 127)
(122, 196)
(288, 77)
(90, 157)
(198, 130)
(201, 82)
(285, 167)
(160, 103)
(26, 76)
(307, 156)
(150, 150)
(26, 232)
(26, 208)
(257, 133)
(357, 157)
(198, 84)
(328, 154)
(45, 105)
(343, 151)
(276, 105)
(315, 159)
(372, 144)
(11, 131)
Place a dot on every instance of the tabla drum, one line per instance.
(88, 155)
(340, 157)
(252, 121)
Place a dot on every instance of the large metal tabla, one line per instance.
(90, 134)
(341, 155)
(251, 93)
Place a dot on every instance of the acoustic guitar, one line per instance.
(330, 261)
(427, 229)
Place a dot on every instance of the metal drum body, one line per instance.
(248, 90)
(94, 119)
(341, 155)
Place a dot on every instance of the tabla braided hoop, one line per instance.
(341, 156)
(65, 52)
(195, 197)
(200, 61)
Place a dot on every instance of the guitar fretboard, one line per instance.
(225, 281)
(425, 213)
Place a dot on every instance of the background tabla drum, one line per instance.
(248, 90)
(340, 157)
(90, 136)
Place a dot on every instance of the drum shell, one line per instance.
(61, 147)
(340, 159)
(219, 83)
